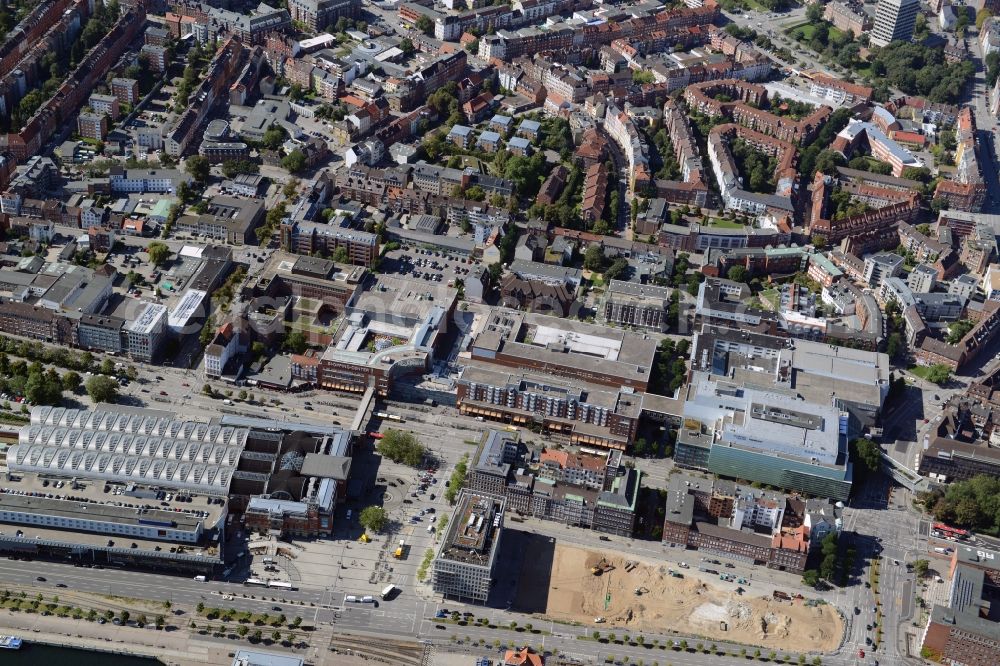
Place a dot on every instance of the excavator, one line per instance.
(601, 567)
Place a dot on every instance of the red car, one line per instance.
(861, 653)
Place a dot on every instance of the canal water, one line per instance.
(42, 655)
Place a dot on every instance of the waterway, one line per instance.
(38, 655)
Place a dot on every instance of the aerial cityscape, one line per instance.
(499, 332)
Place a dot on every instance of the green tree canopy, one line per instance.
(198, 168)
(158, 253)
(401, 446)
(102, 389)
(294, 161)
(373, 518)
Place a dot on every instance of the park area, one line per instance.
(684, 605)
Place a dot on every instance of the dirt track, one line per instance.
(686, 605)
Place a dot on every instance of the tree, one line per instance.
(242, 631)
(158, 253)
(617, 270)
(294, 161)
(197, 167)
(102, 389)
(818, 240)
(274, 136)
(373, 518)
(400, 446)
(296, 342)
(737, 273)
(425, 25)
(921, 567)
(341, 256)
(868, 454)
(981, 17)
(593, 258)
(938, 374)
(810, 577)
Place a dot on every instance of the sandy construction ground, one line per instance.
(687, 606)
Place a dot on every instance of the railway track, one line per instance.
(379, 650)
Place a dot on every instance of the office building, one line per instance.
(101, 333)
(894, 21)
(586, 413)
(467, 557)
(146, 332)
(965, 630)
(765, 436)
(391, 328)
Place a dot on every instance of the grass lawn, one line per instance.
(805, 29)
(725, 224)
(771, 298)
(920, 371)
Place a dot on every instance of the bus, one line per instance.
(942, 531)
(255, 582)
(280, 586)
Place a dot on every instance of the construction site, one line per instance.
(611, 592)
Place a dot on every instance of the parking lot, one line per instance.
(364, 569)
(429, 265)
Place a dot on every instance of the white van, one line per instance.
(351, 598)
(367, 599)
(430, 528)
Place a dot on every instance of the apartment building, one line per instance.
(894, 21)
(92, 126)
(846, 18)
(838, 91)
(317, 14)
(760, 527)
(575, 488)
(637, 305)
(126, 90)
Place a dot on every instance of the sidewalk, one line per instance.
(175, 647)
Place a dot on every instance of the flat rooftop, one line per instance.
(132, 497)
(473, 531)
(766, 421)
(390, 298)
(588, 348)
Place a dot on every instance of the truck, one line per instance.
(400, 550)
(388, 591)
(200, 579)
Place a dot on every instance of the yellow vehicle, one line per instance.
(365, 538)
